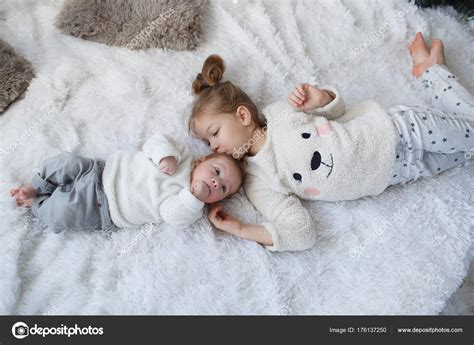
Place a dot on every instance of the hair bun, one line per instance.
(212, 72)
(213, 69)
(199, 84)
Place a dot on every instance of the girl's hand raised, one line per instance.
(223, 221)
(306, 97)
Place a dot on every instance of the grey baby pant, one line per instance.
(434, 140)
(70, 194)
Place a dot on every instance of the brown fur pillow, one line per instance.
(132, 24)
(15, 75)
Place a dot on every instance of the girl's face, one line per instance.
(225, 133)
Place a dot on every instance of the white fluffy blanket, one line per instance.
(403, 252)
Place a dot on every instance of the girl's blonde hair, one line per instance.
(216, 97)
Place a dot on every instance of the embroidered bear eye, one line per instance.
(297, 177)
(306, 135)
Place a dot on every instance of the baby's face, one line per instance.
(219, 175)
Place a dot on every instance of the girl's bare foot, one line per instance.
(24, 195)
(437, 52)
(418, 49)
(424, 58)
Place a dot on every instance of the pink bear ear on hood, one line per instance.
(312, 191)
(324, 129)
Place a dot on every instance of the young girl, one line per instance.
(310, 148)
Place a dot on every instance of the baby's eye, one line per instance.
(215, 133)
(224, 189)
(217, 171)
(208, 143)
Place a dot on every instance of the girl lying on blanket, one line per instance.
(311, 148)
(160, 183)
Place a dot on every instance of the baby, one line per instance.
(161, 182)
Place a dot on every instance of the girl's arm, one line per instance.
(227, 223)
(288, 227)
(325, 101)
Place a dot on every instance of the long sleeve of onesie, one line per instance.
(158, 147)
(181, 209)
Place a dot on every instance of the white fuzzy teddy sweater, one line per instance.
(138, 192)
(326, 154)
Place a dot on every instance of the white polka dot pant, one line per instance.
(433, 140)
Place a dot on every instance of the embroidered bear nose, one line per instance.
(316, 160)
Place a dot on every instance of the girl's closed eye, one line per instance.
(216, 132)
(217, 171)
(224, 189)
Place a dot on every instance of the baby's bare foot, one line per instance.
(24, 195)
(27, 202)
(424, 58)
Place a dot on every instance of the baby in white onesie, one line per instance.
(160, 183)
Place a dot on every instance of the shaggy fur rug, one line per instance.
(15, 75)
(173, 24)
(403, 252)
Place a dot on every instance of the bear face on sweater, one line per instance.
(319, 159)
(317, 163)
(306, 149)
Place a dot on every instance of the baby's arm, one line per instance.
(163, 152)
(181, 209)
(159, 146)
(325, 101)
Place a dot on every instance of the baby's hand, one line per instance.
(306, 97)
(168, 165)
(200, 190)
